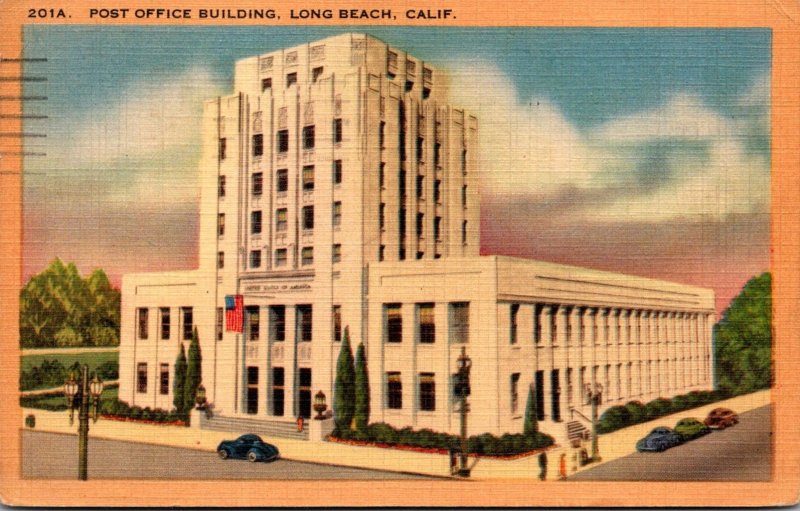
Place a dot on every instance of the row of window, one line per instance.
(282, 180)
(281, 258)
(291, 79)
(308, 138)
(186, 326)
(425, 327)
(641, 325)
(163, 378)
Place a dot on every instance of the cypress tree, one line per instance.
(361, 390)
(179, 381)
(344, 387)
(531, 426)
(194, 374)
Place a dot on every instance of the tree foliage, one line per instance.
(361, 412)
(743, 339)
(59, 308)
(344, 386)
(179, 383)
(194, 372)
(531, 425)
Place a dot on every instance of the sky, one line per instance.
(642, 151)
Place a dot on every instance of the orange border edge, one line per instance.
(782, 16)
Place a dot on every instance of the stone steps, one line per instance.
(264, 427)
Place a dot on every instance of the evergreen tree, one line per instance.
(179, 381)
(531, 425)
(194, 374)
(344, 387)
(361, 412)
(743, 339)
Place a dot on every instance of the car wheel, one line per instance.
(223, 454)
(252, 457)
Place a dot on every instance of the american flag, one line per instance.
(234, 313)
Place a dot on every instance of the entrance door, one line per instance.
(304, 393)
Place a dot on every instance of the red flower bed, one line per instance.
(430, 450)
(143, 421)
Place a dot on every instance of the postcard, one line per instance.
(351, 254)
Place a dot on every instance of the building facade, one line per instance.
(339, 189)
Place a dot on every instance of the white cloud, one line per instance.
(530, 149)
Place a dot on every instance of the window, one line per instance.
(291, 79)
(464, 196)
(382, 216)
(252, 321)
(255, 259)
(220, 260)
(382, 253)
(163, 380)
(304, 323)
(420, 187)
(459, 322)
(537, 324)
(409, 85)
(316, 73)
(464, 232)
(337, 213)
(165, 323)
(337, 131)
(304, 392)
(437, 191)
(218, 328)
(427, 324)
(141, 377)
(514, 393)
(283, 141)
(141, 315)
(308, 217)
(221, 186)
(513, 323)
(553, 324)
(282, 180)
(308, 177)
(336, 255)
(337, 172)
(280, 257)
(258, 183)
(437, 228)
(427, 392)
(394, 391)
(188, 323)
(255, 222)
(221, 224)
(420, 224)
(277, 391)
(266, 84)
(391, 59)
(277, 318)
(401, 184)
(382, 175)
(281, 221)
(539, 391)
(252, 390)
(420, 149)
(337, 322)
(382, 135)
(223, 148)
(420, 255)
(258, 145)
(437, 154)
(394, 322)
(308, 137)
(307, 256)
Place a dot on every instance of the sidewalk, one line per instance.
(612, 446)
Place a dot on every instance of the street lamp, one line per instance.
(462, 390)
(79, 396)
(594, 395)
(320, 405)
(200, 397)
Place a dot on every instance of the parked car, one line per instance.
(660, 439)
(249, 447)
(691, 428)
(721, 418)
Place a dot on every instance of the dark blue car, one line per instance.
(249, 447)
(660, 439)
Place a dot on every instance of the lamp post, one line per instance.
(79, 395)
(320, 405)
(595, 396)
(462, 391)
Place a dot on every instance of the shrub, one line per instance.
(68, 337)
(108, 370)
(656, 408)
(614, 418)
(382, 432)
(636, 411)
(135, 412)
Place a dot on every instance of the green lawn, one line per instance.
(92, 359)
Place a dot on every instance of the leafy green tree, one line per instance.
(361, 412)
(743, 339)
(194, 372)
(179, 381)
(344, 386)
(531, 425)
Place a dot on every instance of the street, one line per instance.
(740, 453)
(55, 456)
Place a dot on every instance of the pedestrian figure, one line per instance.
(562, 467)
(543, 466)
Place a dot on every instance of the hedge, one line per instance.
(55, 402)
(486, 444)
(634, 412)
